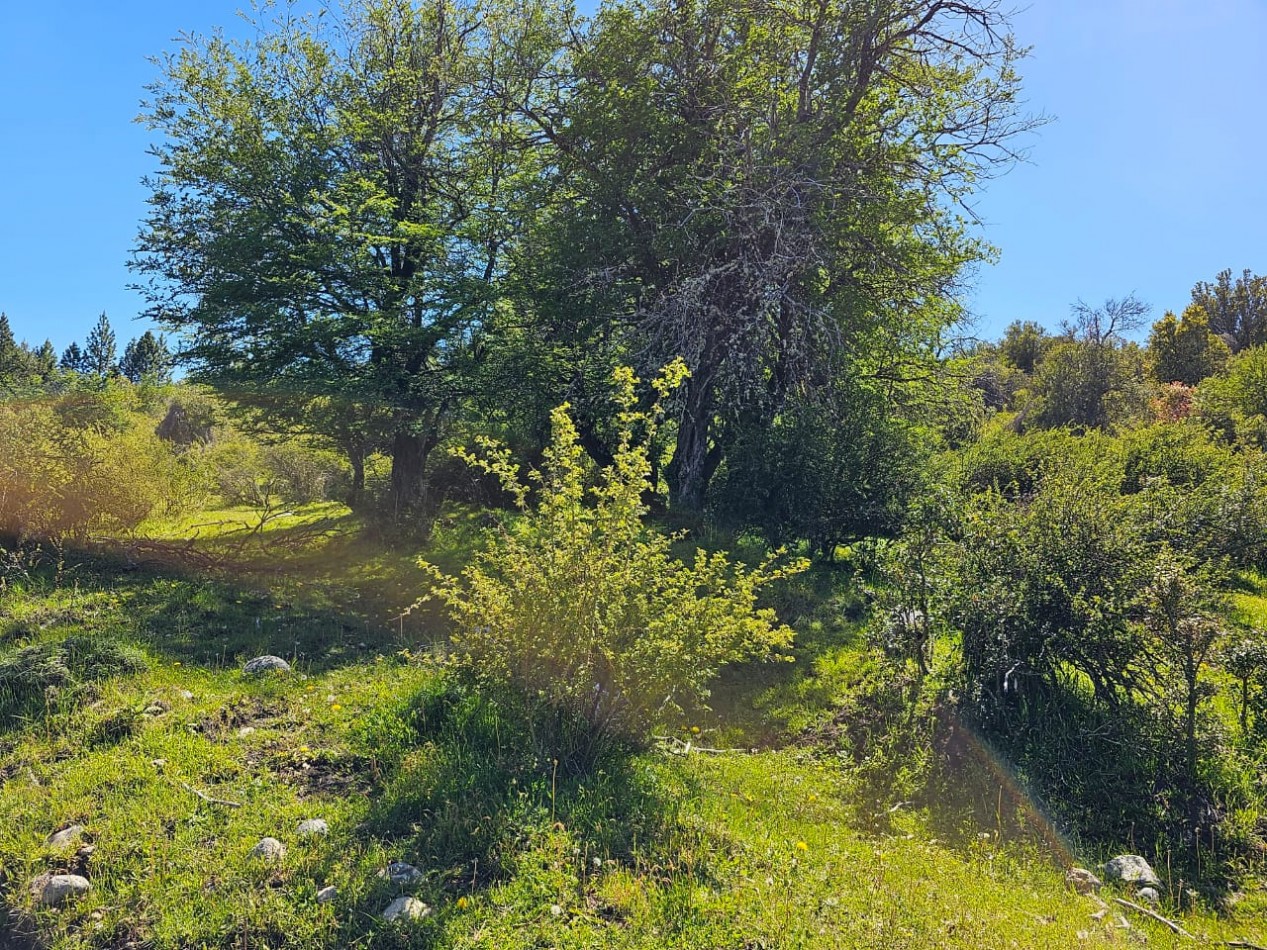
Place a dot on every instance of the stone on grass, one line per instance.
(268, 849)
(66, 838)
(1132, 869)
(245, 731)
(327, 894)
(1149, 895)
(154, 709)
(185, 695)
(1082, 881)
(263, 664)
(398, 872)
(52, 889)
(312, 826)
(406, 908)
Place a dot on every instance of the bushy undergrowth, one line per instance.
(581, 608)
(56, 673)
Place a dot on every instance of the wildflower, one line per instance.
(462, 902)
(802, 846)
(177, 663)
(695, 730)
(335, 707)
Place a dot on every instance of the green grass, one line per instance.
(653, 850)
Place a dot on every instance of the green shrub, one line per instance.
(54, 673)
(580, 607)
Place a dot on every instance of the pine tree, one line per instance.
(101, 349)
(73, 358)
(11, 356)
(46, 360)
(146, 357)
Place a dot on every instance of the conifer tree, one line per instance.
(101, 349)
(146, 357)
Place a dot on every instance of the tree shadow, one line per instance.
(469, 802)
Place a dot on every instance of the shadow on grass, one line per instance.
(468, 801)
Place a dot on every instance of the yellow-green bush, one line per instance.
(580, 607)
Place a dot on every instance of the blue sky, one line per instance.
(1153, 176)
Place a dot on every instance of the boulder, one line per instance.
(268, 849)
(398, 872)
(406, 908)
(327, 894)
(66, 838)
(1132, 869)
(1083, 881)
(1149, 895)
(311, 827)
(264, 664)
(52, 889)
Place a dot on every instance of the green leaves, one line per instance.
(581, 605)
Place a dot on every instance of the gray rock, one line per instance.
(1083, 881)
(398, 872)
(53, 889)
(185, 695)
(1132, 869)
(312, 826)
(154, 710)
(1149, 895)
(406, 908)
(66, 838)
(246, 731)
(263, 664)
(327, 894)
(268, 849)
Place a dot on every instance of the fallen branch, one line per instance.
(207, 798)
(1243, 944)
(678, 747)
(1155, 916)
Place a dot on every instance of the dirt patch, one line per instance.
(241, 712)
(317, 772)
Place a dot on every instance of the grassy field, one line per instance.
(123, 709)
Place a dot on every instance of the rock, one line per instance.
(398, 872)
(52, 889)
(1149, 896)
(263, 664)
(245, 731)
(185, 695)
(312, 826)
(1132, 869)
(154, 710)
(327, 894)
(268, 849)
(67, 837)
(407, 908)
(1083, 881)
(556, 910)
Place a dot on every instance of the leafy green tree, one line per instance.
(1093, 376)
(1237, 309)
(1235, 401)
(769, 192)
(325, 217)
(1023, 345)
(1185, 350)
(147, 357)
(101, 350)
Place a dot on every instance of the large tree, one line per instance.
(1237, 308)
(323, 219)
(771, 190)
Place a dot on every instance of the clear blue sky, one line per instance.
(1153, 176)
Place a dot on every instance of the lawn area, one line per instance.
(145, 732)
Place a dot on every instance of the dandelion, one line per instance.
(813, 797)
(695, 730)
(335, 707)
(177, 663)
(802, 846)
(462, 902)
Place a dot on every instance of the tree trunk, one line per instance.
(694, 459)
(409, 467)
(356, 456)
